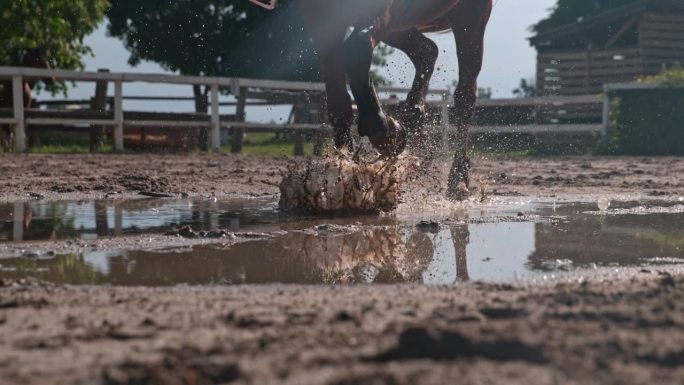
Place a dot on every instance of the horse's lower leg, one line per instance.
(339, 103)
(386, 135)
(329, 43)
(423, 54)
(469, 22)
(358, 56)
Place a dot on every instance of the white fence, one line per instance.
(235, 86)
(243, 89)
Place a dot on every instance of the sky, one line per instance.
(508, 56)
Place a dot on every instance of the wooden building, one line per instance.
(639, 38)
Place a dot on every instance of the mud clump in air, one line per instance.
(343, 182)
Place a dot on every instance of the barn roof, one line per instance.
(548, 37)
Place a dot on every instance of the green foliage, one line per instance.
(63, 269)
(671, 77)
(269, 144)
(526, 89)
(219, 37)
(380, 60)
(646, 122)
(56, 27)
(484, 93)
(67, 149)
(571, 11)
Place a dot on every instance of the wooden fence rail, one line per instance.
(580, 113)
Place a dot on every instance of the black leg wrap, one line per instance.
(460, 172)
(343, 138)
(358, 57)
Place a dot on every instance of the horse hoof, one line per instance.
(392, 144)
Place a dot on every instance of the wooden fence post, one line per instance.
(118, 116)
(215, 122)
(118, 219)
(18, 223)
(201, 107)
(98, 103)
(606, 130)
(101, 222)
(19, 125)
(239, 132)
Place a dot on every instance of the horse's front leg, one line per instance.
(339, 102)
(384, 133)
(469, 22)
(328, 39)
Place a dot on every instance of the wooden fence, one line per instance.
(584, 73)
(542, 115)
(660, 44)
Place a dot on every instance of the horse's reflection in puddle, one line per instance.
(376, 255)
(338, 255)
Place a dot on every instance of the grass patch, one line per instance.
(67, 149)
(254, 144)
(263, 143)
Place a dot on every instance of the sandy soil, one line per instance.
(25, 177)
(606, 330)
(624, 327)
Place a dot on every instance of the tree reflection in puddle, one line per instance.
(371, 250)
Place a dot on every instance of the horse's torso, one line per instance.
(424, 15)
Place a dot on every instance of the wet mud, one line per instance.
(72, 177)
(252, 242)
(606, 330)
(567, 270)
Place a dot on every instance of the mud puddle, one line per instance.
(495, 241)
(41, 221)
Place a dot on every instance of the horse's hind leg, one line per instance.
(469, 21)
(423, 54)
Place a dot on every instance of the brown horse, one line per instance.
(32, 58)
(400, 24)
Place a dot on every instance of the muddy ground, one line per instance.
(25, 177)
(618, 327)
(606, 330)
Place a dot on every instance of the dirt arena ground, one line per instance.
(26, 177)
(619, 326)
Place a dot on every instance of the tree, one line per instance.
(380, 60)
(55, 27)
(231, 38)
(526, 89)
(571, 11)
(670, 77)
(217, 38)
(484, 93)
